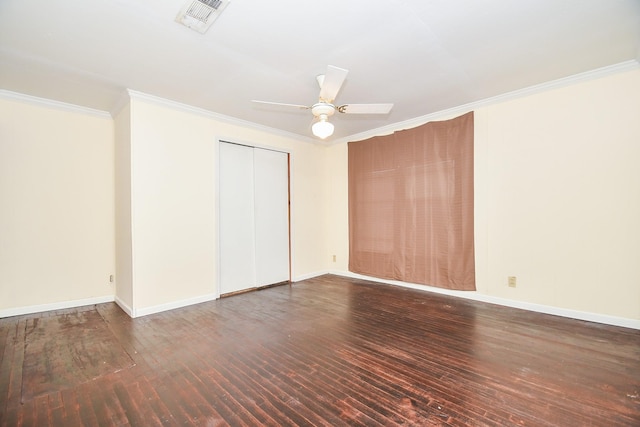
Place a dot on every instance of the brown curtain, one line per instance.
(411, 205)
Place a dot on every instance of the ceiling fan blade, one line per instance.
(365, 108)
(280, 104)
(332, 83)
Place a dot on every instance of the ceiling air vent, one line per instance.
(200, 14)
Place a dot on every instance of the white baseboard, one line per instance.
(310, 276)
(125, 307)
(139, 312)
(197, 300)
(30, 309)
(539, 308)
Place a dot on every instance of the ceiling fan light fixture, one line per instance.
(330, 84)
(322, 128)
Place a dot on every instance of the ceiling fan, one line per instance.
(330, 84)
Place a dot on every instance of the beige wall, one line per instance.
(557, 201)
(122, 168)
(557, 198)
(60, 207)
(562, 196)
(56, 216)
(337, 212)
(173, 197)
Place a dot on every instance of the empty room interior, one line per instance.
(371, 213)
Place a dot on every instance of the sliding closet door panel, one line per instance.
(271, 184)
(237, 232)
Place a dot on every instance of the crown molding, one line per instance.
(215, 116)
(122, 101)
(463, 109)
(58, 105)
(385, 130)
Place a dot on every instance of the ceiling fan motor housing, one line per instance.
(323, 108)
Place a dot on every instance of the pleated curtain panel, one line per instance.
(411, 205)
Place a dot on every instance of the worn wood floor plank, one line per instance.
(327, 351)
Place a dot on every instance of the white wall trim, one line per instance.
(123, 101)
(311, 275)
(475, 296)
(407, 124)
(539, 308)
(31, 309)
(462, 109)
(216, 116)
(139, 312)
(58, 105)
(130, 311)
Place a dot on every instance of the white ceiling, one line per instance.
(424, 56)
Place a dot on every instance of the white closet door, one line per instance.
(254, 217)
(271, 185)
(237, 233)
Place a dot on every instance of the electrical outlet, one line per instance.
(111, 278)
(334, 258)
(512, 281)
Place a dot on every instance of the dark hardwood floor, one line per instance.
(326, 351)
